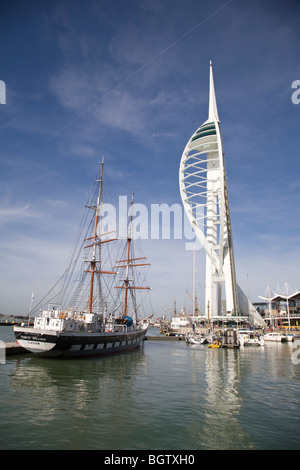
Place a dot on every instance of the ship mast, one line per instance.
(93, 261)
(96, 241)
(129, 239)
(129, 263)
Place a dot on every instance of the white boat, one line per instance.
(195, 339)
(94, 321)
(250, 339)
(289, 337)
(180, 322)
(243, 336)
(275, 337)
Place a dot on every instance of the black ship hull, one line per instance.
(72, 344)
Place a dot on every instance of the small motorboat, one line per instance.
(195, 339)
(250, 339)
(215, 345)
(290, 337)
(276, 337)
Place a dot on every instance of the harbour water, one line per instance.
(166, 395)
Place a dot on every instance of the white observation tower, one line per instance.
(204, 193)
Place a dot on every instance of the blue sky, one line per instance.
(128, 80)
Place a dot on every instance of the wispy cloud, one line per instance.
(100, 89)
(10, 214)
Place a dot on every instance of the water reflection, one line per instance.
(167, 395)
(70, 398)
(223, 402)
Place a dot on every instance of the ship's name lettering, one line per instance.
(34, 338)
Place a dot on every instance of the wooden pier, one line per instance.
(165, 338)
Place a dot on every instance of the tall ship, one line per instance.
(98, 313)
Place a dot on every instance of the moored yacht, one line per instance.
(249, 338)
(276, 337)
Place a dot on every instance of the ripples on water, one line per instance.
(166, 395)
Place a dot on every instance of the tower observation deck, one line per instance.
(204, 194)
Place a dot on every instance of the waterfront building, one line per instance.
(282, 309)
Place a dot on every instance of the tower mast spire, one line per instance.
(213, 110)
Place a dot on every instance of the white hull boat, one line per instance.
(196, 339)
(275, 337)
(290, 338)
(251, 340)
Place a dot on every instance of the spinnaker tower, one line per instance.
(204, 193)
